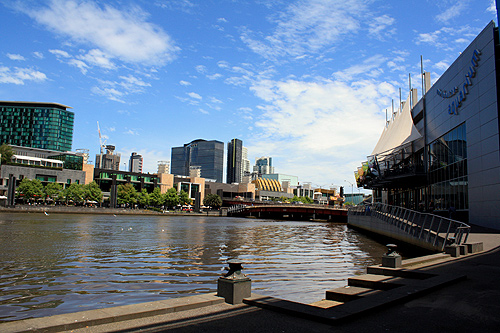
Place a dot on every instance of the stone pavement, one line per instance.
(469, 304)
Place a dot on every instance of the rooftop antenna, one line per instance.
(422, 73)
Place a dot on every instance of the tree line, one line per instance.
(32, 190)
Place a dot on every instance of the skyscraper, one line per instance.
(263, 166)
(135, 163)
(208, 155)
(36, 125)
(110, 160)
(234, 169)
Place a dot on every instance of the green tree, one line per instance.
(156, 198)
(143, 198)
(306, 200)
(52, 191)
(6, 152)
(75, 192)
(30, 189)
(171, 198)
(126, 194)
(212, 200)
(93, 192)
(184, 198)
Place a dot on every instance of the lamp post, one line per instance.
(352, 191)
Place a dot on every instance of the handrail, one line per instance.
(423, 226)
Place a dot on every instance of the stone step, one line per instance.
(375, 281)
(348, 293)
(399, 272)
(326, 304)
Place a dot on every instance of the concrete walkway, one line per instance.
(470, 304)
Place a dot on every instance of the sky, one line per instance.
(306, 82)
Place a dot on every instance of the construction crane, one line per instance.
(101, 145)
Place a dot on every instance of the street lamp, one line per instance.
(352, 191)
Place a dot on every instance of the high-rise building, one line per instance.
(246, 169)
(208, 155)
(36, 125)
(163, 166)
(263, 166)
(234, 170)
(135, 163)
(110, 160)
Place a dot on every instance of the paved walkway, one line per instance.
(472, 304)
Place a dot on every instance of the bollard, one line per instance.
(451, 248)
(234, 286)
(392, 259)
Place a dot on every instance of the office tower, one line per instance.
(110, 160)
(36, 125)
(209, 155)
(263, 166)
(234, 161)
(246, 170)
(135, 163)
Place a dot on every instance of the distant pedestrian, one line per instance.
(452, 211)
(431, 206)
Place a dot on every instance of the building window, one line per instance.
(448, 170)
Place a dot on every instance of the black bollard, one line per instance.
(234, 286)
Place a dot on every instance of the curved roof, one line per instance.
(265, 184)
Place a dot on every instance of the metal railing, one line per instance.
(423, 226)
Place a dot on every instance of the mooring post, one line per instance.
(392, 259)
(234, 286)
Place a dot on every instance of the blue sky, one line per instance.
(305, 82)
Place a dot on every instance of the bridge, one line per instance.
(290, 212)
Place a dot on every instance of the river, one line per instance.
(64, 263)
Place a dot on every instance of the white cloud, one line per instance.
(201, 69)
(456, 8)
(117, 90)
(204, 111)
(98, 58)
(323, 127)
(19, 76)
(79, 64)
(214, 76)
(308, 27)
(194, 95)
(110, 93)
(378, 26)
(371, 64)
(38, 55)
(16, 57)
(120, 33)
(184, 83)
(222, 20)
(60, 53)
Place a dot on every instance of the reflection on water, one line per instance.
(65, 263)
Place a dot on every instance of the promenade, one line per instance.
(470, 304)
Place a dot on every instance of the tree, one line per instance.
(171, 198)
(184, 198)
(75, 192)
(52, 190)
(30, 189)
(306, 200)
(93, 192)
(212, 200)
(156, 198)
(126, 194)
(6, 152)
(143, 198)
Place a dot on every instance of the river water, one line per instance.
(65, 263)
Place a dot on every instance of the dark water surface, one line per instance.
(65, 263)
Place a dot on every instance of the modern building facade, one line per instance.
(208, 155)
(135, 163)
(234, 170)
(442, 152)
(37, 125)
(246, 169)
(263, 166)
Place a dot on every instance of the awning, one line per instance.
(398, 132)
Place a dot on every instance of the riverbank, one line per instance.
(469, 303)
(99, 210)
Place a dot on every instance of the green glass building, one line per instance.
(37, 125)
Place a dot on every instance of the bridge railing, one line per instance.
(423, 226)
